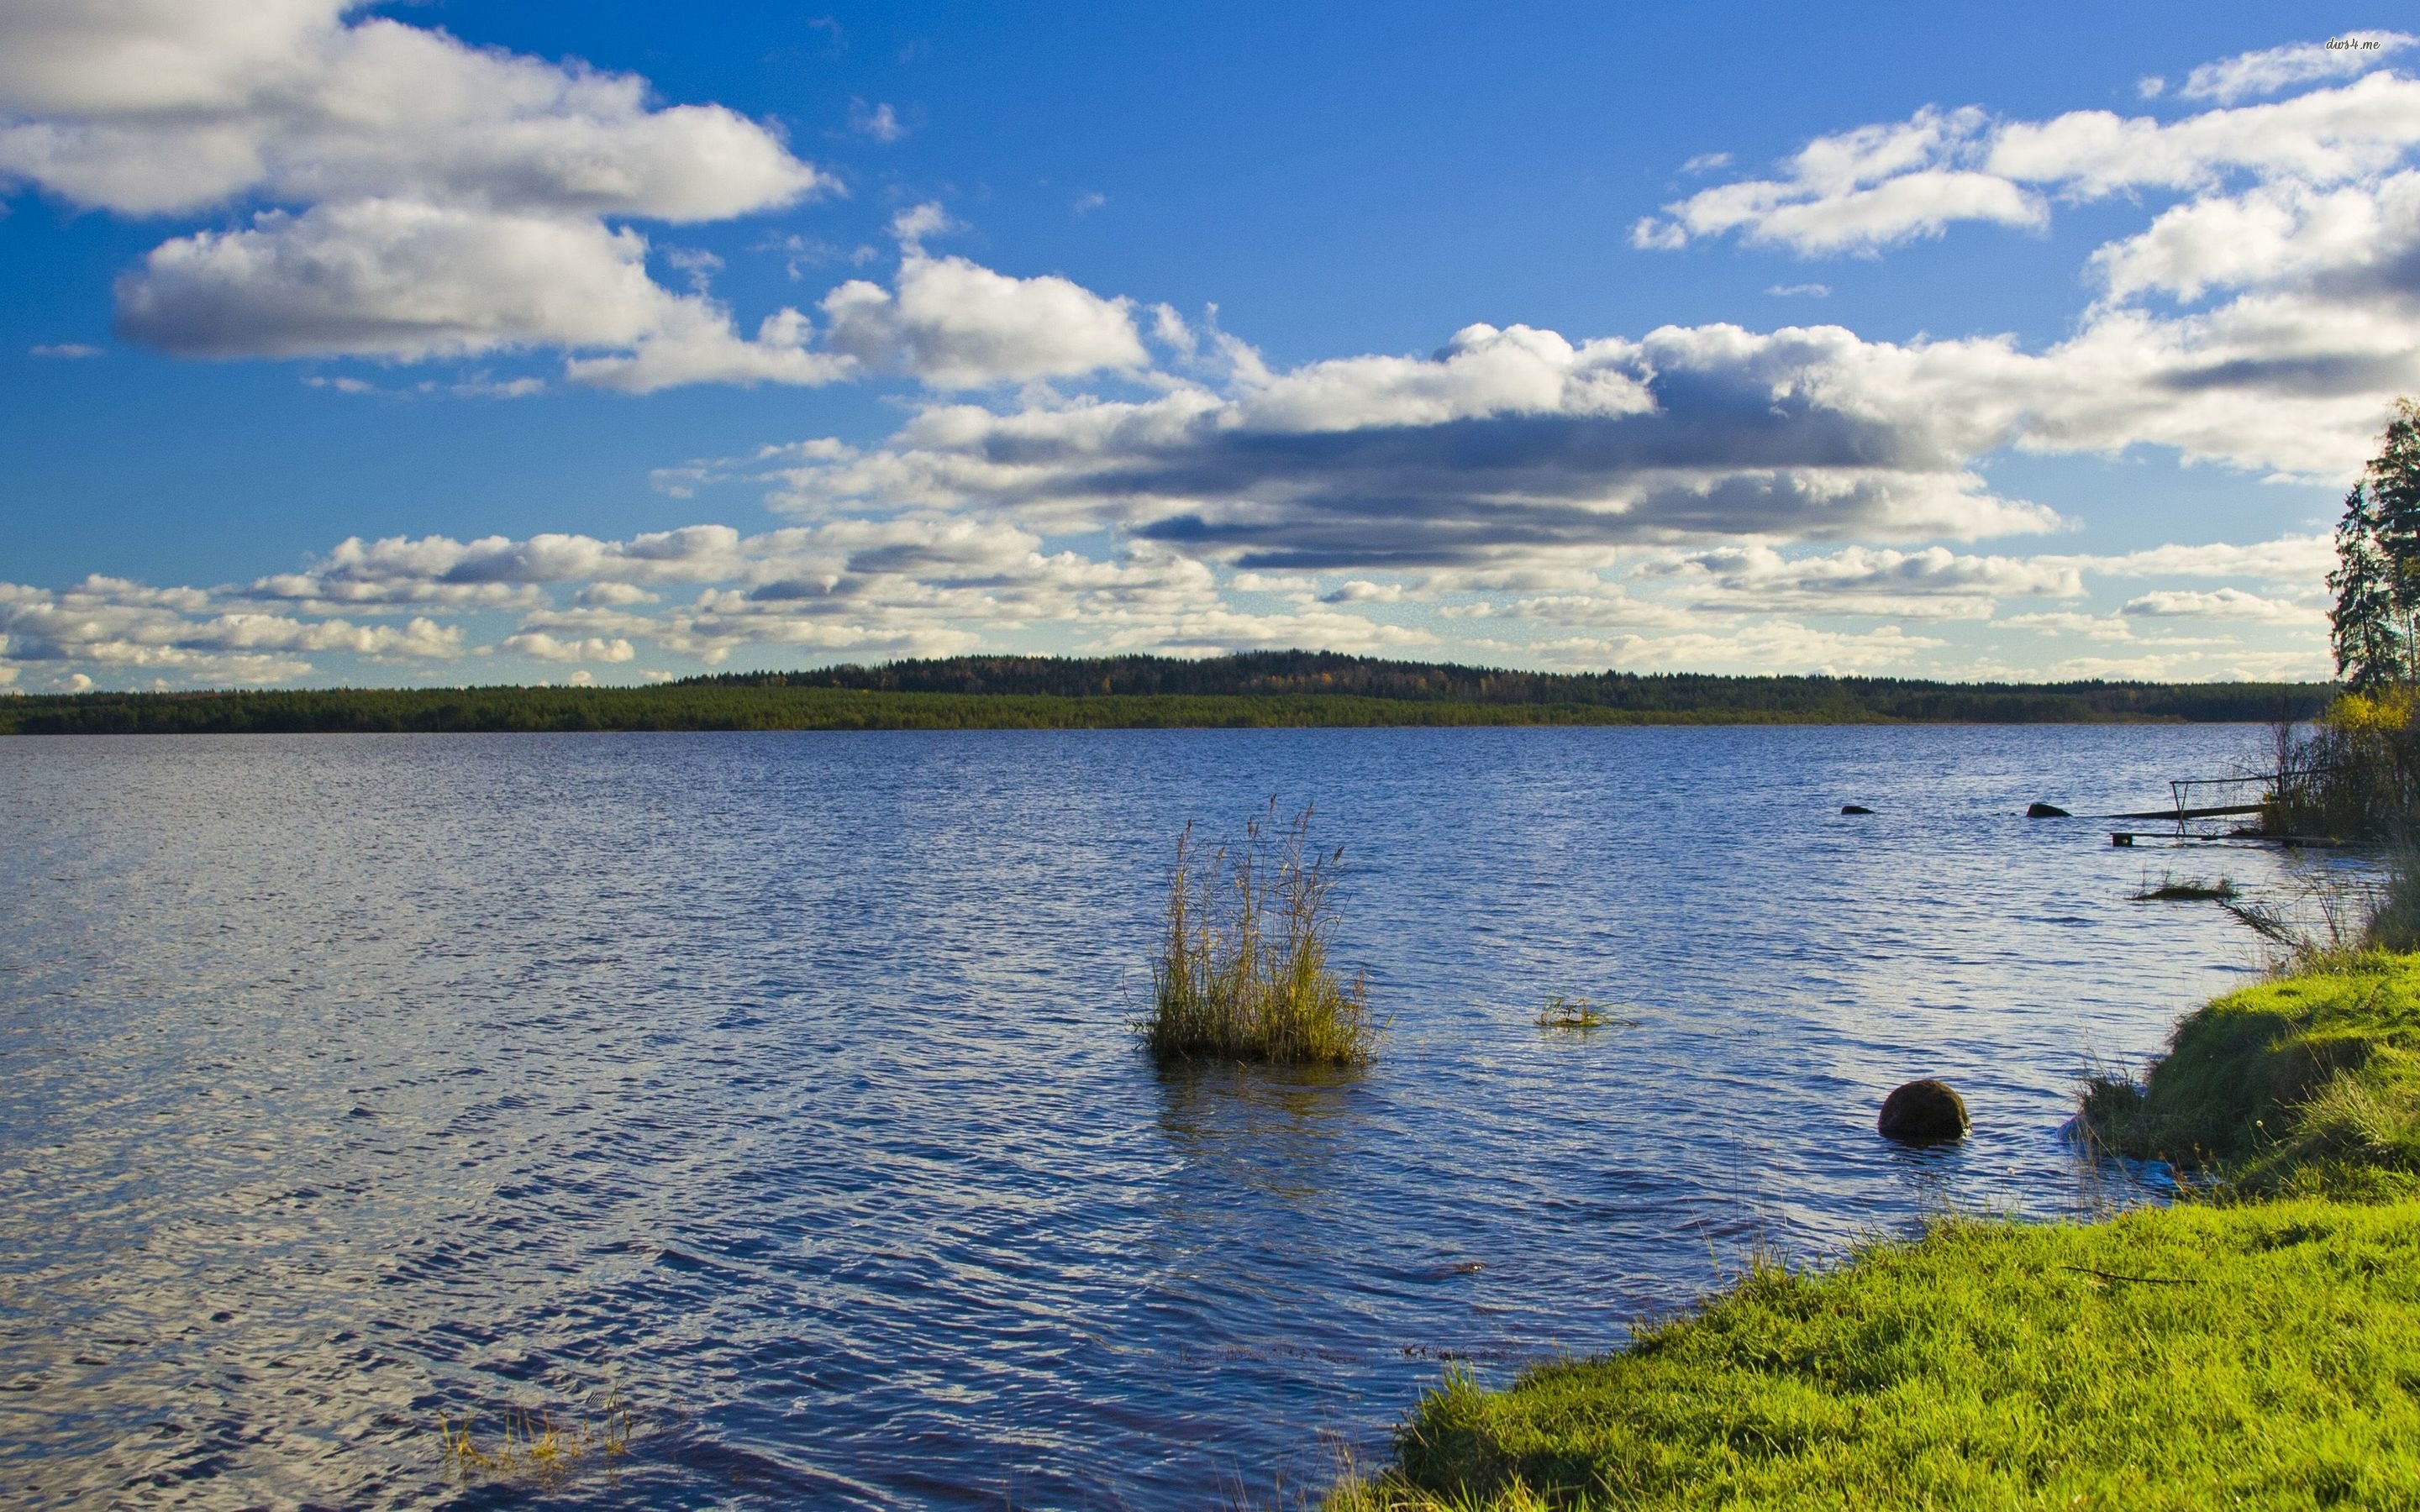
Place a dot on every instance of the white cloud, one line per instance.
(697, 264)
(701, 347)
(408, 281)
(1740, 483)
(69, 349)
(1935, 584)
(878, 121)
(953, 325)
(2272, 70)
(913, 224)
(451, 197)
(2070, 621)
(1875, 186)
(927, 583)
(1362, 591)
(2326, 136)
(1858, 190)
(157, 106)
(112, 624)
(1772, 647)
(1813, 291)
(547, 648)
(2222, 604)
(2295, 559)
(1511, 443)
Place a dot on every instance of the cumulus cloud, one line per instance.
(159, 106)
(2249, 75)
(1505, 443)
(1772, 647)
(955, 325)
(919, 585)
(116, 624)
(2222, 604)
(432, 199)
(1858, 190)
(1873, 187)
(1751, 491)
(1935, 584)
(2296, 560)
(931, 583)
(2072, 622)
(548, 648)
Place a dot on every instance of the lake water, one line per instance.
(782, 1083)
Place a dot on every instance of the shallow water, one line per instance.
(782, 1083)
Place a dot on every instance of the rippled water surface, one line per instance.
(784, 1083)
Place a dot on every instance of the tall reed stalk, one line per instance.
(1242, 972)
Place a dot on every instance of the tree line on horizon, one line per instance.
(1328, 673)
(1255, 690)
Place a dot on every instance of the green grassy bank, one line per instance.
(2259, 1346)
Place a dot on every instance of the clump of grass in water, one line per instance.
(533, 1448)
(2172, 888)
(1562, 1013)
(1242, 972)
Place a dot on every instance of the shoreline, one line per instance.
(2252, 1345)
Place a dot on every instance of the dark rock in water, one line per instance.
(1855, 807)
(2046, 810)
(1923, 1112)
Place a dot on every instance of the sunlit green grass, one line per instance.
(2258, 1345)
(2306, 1084)
(2260, 1356)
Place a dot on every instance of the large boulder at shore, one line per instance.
(1923, 1113)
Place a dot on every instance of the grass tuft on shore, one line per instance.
(2308, 1084)
(1243, 970)
(2195, 1356)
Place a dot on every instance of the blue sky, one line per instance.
(472, 343)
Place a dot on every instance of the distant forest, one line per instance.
(1255, 690)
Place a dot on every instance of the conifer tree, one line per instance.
(2372, 628)
(2393, 478)
(2363, 628)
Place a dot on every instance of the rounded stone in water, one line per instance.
(1923, 1113)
